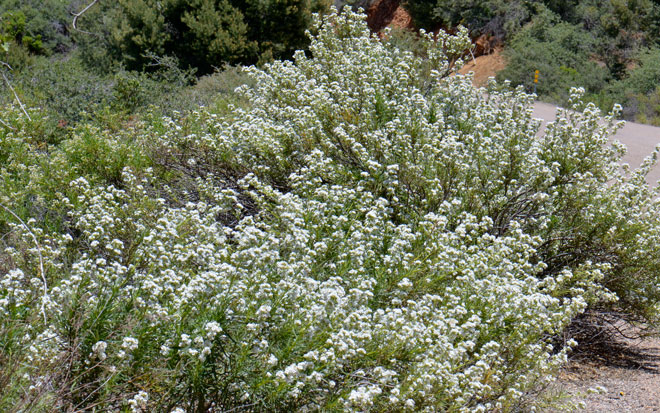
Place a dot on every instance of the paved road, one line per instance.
(640, 139)
(631, 379)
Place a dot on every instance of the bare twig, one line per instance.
(245, 406)
(77, 15)
(109, 400)
(15, 94)
(95, 390)
(5, 64)
(46, 298)
(6, 125)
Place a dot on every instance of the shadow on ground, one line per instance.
(607, 340)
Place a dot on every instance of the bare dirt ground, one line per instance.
(625, 373)
(484, 67)
(623, 377)
(383, 13)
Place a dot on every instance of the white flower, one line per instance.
(272, 360)
(129, 343)
(386, 244)
(99, 350)
(139, 402)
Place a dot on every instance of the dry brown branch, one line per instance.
(94, 391)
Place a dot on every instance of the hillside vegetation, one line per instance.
(117, 58)
(123, 56)
(611, 48)
(353, 230)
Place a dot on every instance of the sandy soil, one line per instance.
(484, 67)
(629, 371)
(625, 378)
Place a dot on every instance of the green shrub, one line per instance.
(40, 25)
(13, 28)
(490, 17)
(638, 91)
(645, 77)
(217, 90)
(207, 34)
(560, 51)
(648, 107)
(39, 160)
(70, 93)
(62, 87)
(362, 236)
(202, 33)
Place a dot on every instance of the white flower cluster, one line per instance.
(139, 402)
(400, 243)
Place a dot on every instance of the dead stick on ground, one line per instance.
(41, 260)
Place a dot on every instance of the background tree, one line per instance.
(201, 33)
(496, 17)
(560, 51)
(204, 34)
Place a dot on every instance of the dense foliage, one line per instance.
(201, 34)
(560, 51)
(594, 44)
(357, 235)
(153, 51)
(496, 17)
(37, 25)
(123, 57)
(640, 90)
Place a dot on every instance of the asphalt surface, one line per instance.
(630, 380)
(639, 139)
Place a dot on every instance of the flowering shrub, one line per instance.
(362, 237)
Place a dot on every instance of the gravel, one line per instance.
(625, 378)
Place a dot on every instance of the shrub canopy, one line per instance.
(361, 236)
(208, 33)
